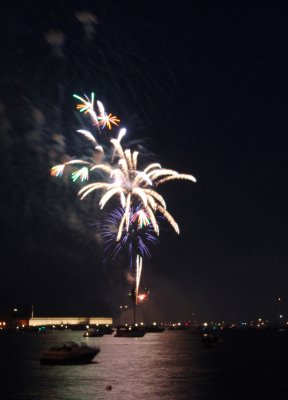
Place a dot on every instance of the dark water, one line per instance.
(166, 366)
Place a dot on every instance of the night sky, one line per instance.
(203, 90)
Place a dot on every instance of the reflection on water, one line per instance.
(168, 365)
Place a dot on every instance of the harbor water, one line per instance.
(172, 365)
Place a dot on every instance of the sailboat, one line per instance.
(131, 330)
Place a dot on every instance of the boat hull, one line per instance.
(79, 359)
(93, 333)
(129, 332)
(69, 354)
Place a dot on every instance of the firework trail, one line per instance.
(138, 276)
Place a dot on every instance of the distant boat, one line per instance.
(107, 330)
(178, 327)
(91, 332)
(154, 329)
(129, 331)
(209, 339)
(69, 353)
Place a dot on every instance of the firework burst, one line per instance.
(136, 187)
(82, 173)
(135, 224)
(99, 119)
(87, 107)
(134, 240)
